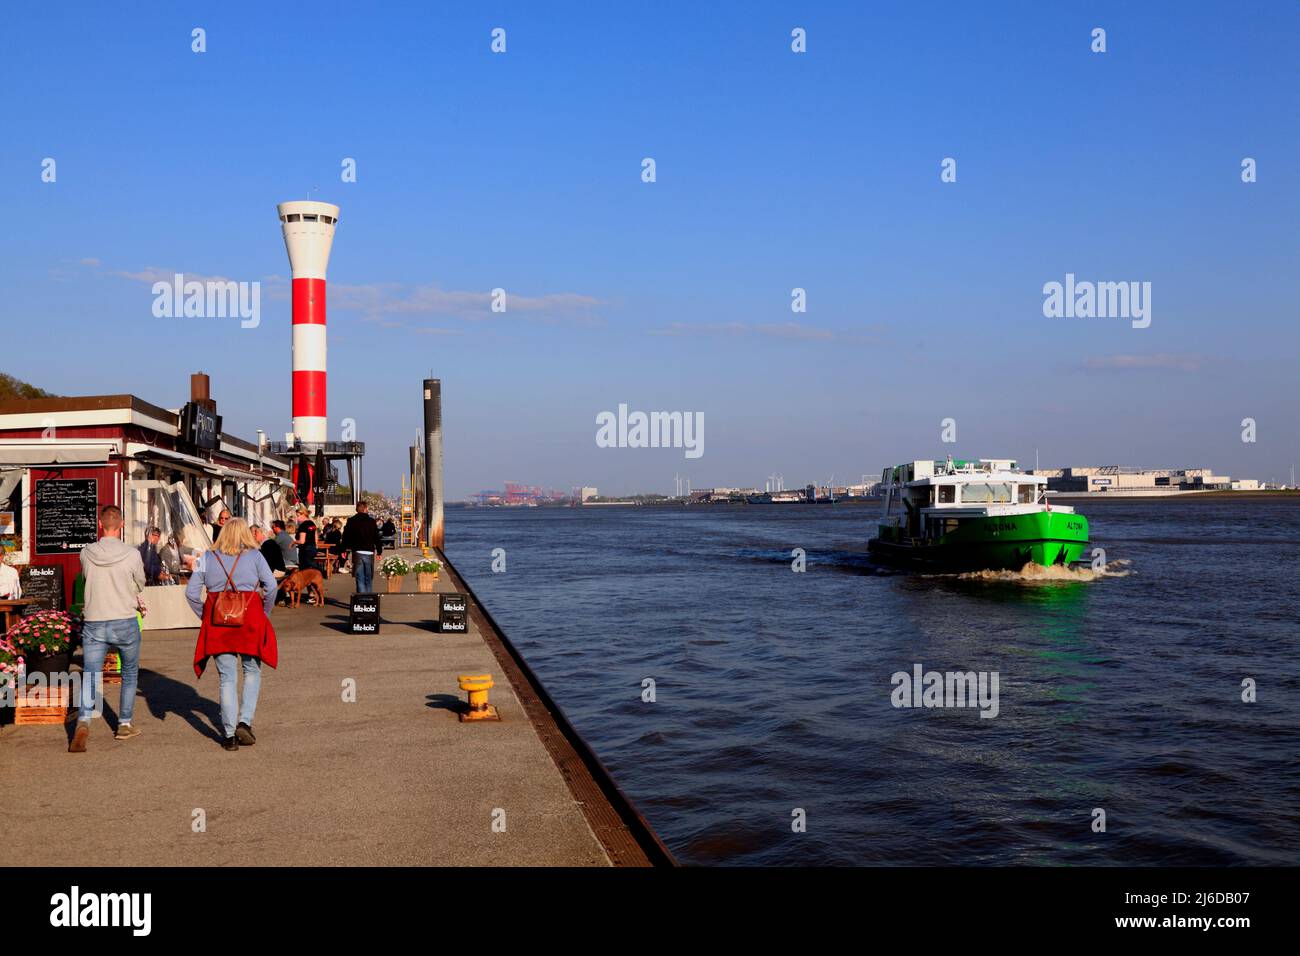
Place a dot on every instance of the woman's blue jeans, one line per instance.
(228, 671)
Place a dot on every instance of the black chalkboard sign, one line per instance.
(43, 586)
(67, 514)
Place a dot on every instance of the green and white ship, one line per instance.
(973, 515)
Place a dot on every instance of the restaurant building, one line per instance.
(62, 459)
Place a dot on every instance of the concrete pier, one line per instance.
(393, 778)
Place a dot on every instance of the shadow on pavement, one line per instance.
(445, 702)
(166, 696)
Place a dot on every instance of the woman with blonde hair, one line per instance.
(235, 629)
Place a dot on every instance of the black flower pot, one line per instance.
(48, 664)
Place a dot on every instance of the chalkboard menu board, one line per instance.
(67, 514)
(43, 586)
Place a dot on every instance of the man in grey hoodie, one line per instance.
(114, 579)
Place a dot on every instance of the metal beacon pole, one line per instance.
(433, 463)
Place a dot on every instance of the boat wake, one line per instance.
(1034, 575)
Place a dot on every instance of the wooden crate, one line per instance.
(43, 705)
(112, 668)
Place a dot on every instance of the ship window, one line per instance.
(292, 217)
(985, 493)
(947, 494)
(326, 219)
(1026, 494)
(309, 217)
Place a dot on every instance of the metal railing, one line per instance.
(342, 449)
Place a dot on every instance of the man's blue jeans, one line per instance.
(96, 638)
(363, 567)
(228, 671)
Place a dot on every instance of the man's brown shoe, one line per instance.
(78, 745)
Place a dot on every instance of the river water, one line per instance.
(1118, 691)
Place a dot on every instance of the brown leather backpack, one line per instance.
(229, 607)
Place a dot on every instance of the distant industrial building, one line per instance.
(585, 493)
(1105, 478)
(517, 494)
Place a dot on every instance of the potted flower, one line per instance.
(45, 640)
(394, 568)
(11, 664)
(426, 573)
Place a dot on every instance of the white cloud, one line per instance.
(380, 300)
(1180, 361)
(780, 330)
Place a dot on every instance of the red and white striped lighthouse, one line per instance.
(308, 235)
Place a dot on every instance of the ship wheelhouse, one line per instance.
(924, 501)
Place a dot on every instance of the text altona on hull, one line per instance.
(973, 515)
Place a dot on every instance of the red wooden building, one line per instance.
(61, 459)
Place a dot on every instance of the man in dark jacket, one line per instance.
(270, 550)
(154, 572)
(361, 537)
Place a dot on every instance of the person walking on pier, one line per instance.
(361, 538)
(235, 637)
(114, 576)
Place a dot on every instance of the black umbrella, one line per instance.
(303, 483)
(321, 484)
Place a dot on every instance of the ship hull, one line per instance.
(993, 543)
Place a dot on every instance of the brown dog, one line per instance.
(303, 580)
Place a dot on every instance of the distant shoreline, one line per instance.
(1071, 497)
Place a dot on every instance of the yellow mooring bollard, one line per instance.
(477, 686)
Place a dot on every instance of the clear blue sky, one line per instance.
(775, 170)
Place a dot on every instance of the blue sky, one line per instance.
(775, 170)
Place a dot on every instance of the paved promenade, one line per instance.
(392, 779)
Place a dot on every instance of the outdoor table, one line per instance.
(327, 559)
(9, 605)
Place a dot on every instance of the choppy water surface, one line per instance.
(1120, 690)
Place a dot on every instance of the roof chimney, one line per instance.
(199, 391)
